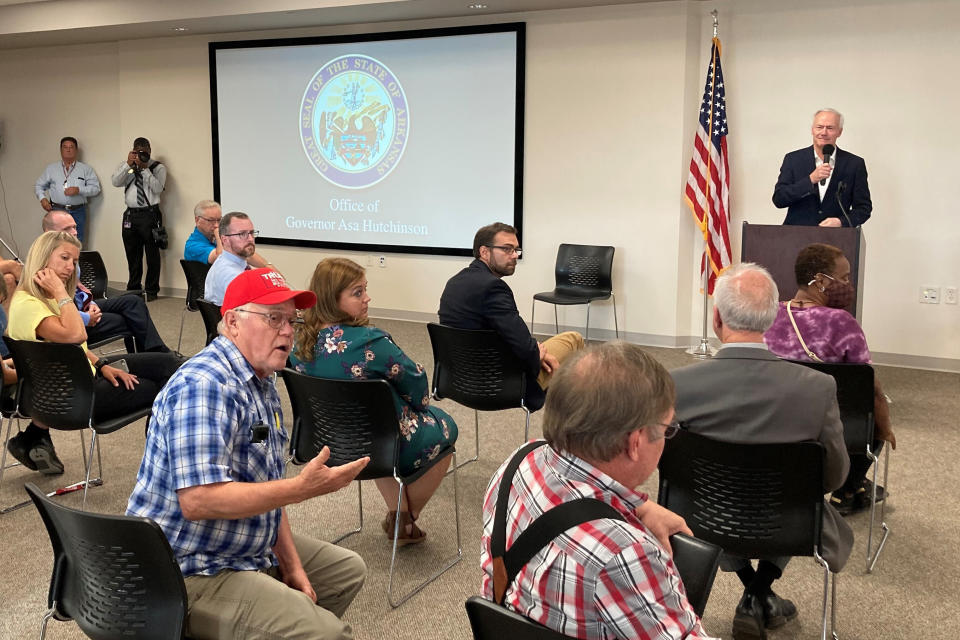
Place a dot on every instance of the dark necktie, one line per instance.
(141, 194)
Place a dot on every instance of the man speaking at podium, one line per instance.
(822, 185)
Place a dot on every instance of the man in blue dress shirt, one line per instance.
(67, 184)
(239, 241)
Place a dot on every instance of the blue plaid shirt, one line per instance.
(200, 433)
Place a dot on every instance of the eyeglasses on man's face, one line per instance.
(212, 220)
(509, 249)
(669, 430)
(275, 319)
(243, 235)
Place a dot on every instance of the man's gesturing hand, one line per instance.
(318, 479)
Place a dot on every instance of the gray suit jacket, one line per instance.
(749, 395)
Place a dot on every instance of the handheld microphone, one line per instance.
(828, 150)
(840, 188)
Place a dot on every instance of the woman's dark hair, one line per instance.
(813, 259)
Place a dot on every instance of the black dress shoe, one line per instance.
(19, 447)
(777, 611)
(748, 621)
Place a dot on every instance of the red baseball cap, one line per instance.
(263, 286)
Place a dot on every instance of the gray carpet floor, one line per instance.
(907, 596)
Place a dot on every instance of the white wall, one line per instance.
(611, 103)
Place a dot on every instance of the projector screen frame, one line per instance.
(518, 28)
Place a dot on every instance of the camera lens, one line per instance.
(143, 156)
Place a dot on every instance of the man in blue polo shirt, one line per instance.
(203, 245)
(212, 477)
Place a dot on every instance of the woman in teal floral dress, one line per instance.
(335, 341)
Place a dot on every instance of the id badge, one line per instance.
(127, 224)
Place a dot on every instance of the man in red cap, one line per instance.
(212, 477)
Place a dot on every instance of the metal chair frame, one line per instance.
(579, 284)
(324, 410)
(210, 313)
(498, 383)
(855, 397)
(753, 500)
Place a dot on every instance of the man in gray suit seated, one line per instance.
(746, 394)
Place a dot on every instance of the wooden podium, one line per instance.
(776, 247)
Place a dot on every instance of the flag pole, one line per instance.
(704, 350)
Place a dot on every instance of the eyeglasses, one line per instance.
(241, 234)
(275, 319)
(669, 430)
(506, 248)
(217, 220)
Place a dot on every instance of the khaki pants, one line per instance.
(561, 347)
(257, 604)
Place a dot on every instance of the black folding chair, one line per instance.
(93, 275)
(210, 313)
(478, 370)
(196, 275)
(357, 418)
(116, 576)
(855, 392)
(753, 500)
(582, 275)
(56, 388)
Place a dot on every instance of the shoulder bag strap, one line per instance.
(810, 354)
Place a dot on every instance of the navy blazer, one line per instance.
(802, 199)
(476, 298)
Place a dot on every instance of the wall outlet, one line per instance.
(382, 260)
(929, 294)
(950, 295)
(371, 259)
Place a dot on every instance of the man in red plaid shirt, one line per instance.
(605, 420)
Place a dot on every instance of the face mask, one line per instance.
(839, 294)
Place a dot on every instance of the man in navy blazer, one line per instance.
(844, 178)
(478, 298)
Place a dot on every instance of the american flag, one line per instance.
(708, 184)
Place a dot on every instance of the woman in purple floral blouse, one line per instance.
(815, 326)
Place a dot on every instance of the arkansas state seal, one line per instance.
(354, 121)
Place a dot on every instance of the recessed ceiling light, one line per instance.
(180, 28)
(476, 5)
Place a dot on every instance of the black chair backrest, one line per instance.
(210, 313)
(56, 383)
(855, 397)
(93, 273)
(116, 576)
(584, 268)
(490, 621)
(196, 275)
(697, 562)
(476, 368)
(355, 418)
(753, 500)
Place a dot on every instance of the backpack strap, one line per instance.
(539, 533)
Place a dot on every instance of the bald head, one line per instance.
(746, 297)
(57, 220)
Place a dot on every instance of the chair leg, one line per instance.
(3, 467)
(476, 435)
(616, 327)
(359, 511)
(447, 565)
(833, 608)
(46, 618)
(874, 555)
(183, 317)
(586, 331)
(556, 321)
(826, 588)
(526, 424)
(533, 309)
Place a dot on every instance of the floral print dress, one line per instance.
(368, 353)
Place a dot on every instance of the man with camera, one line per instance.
(142, 180)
